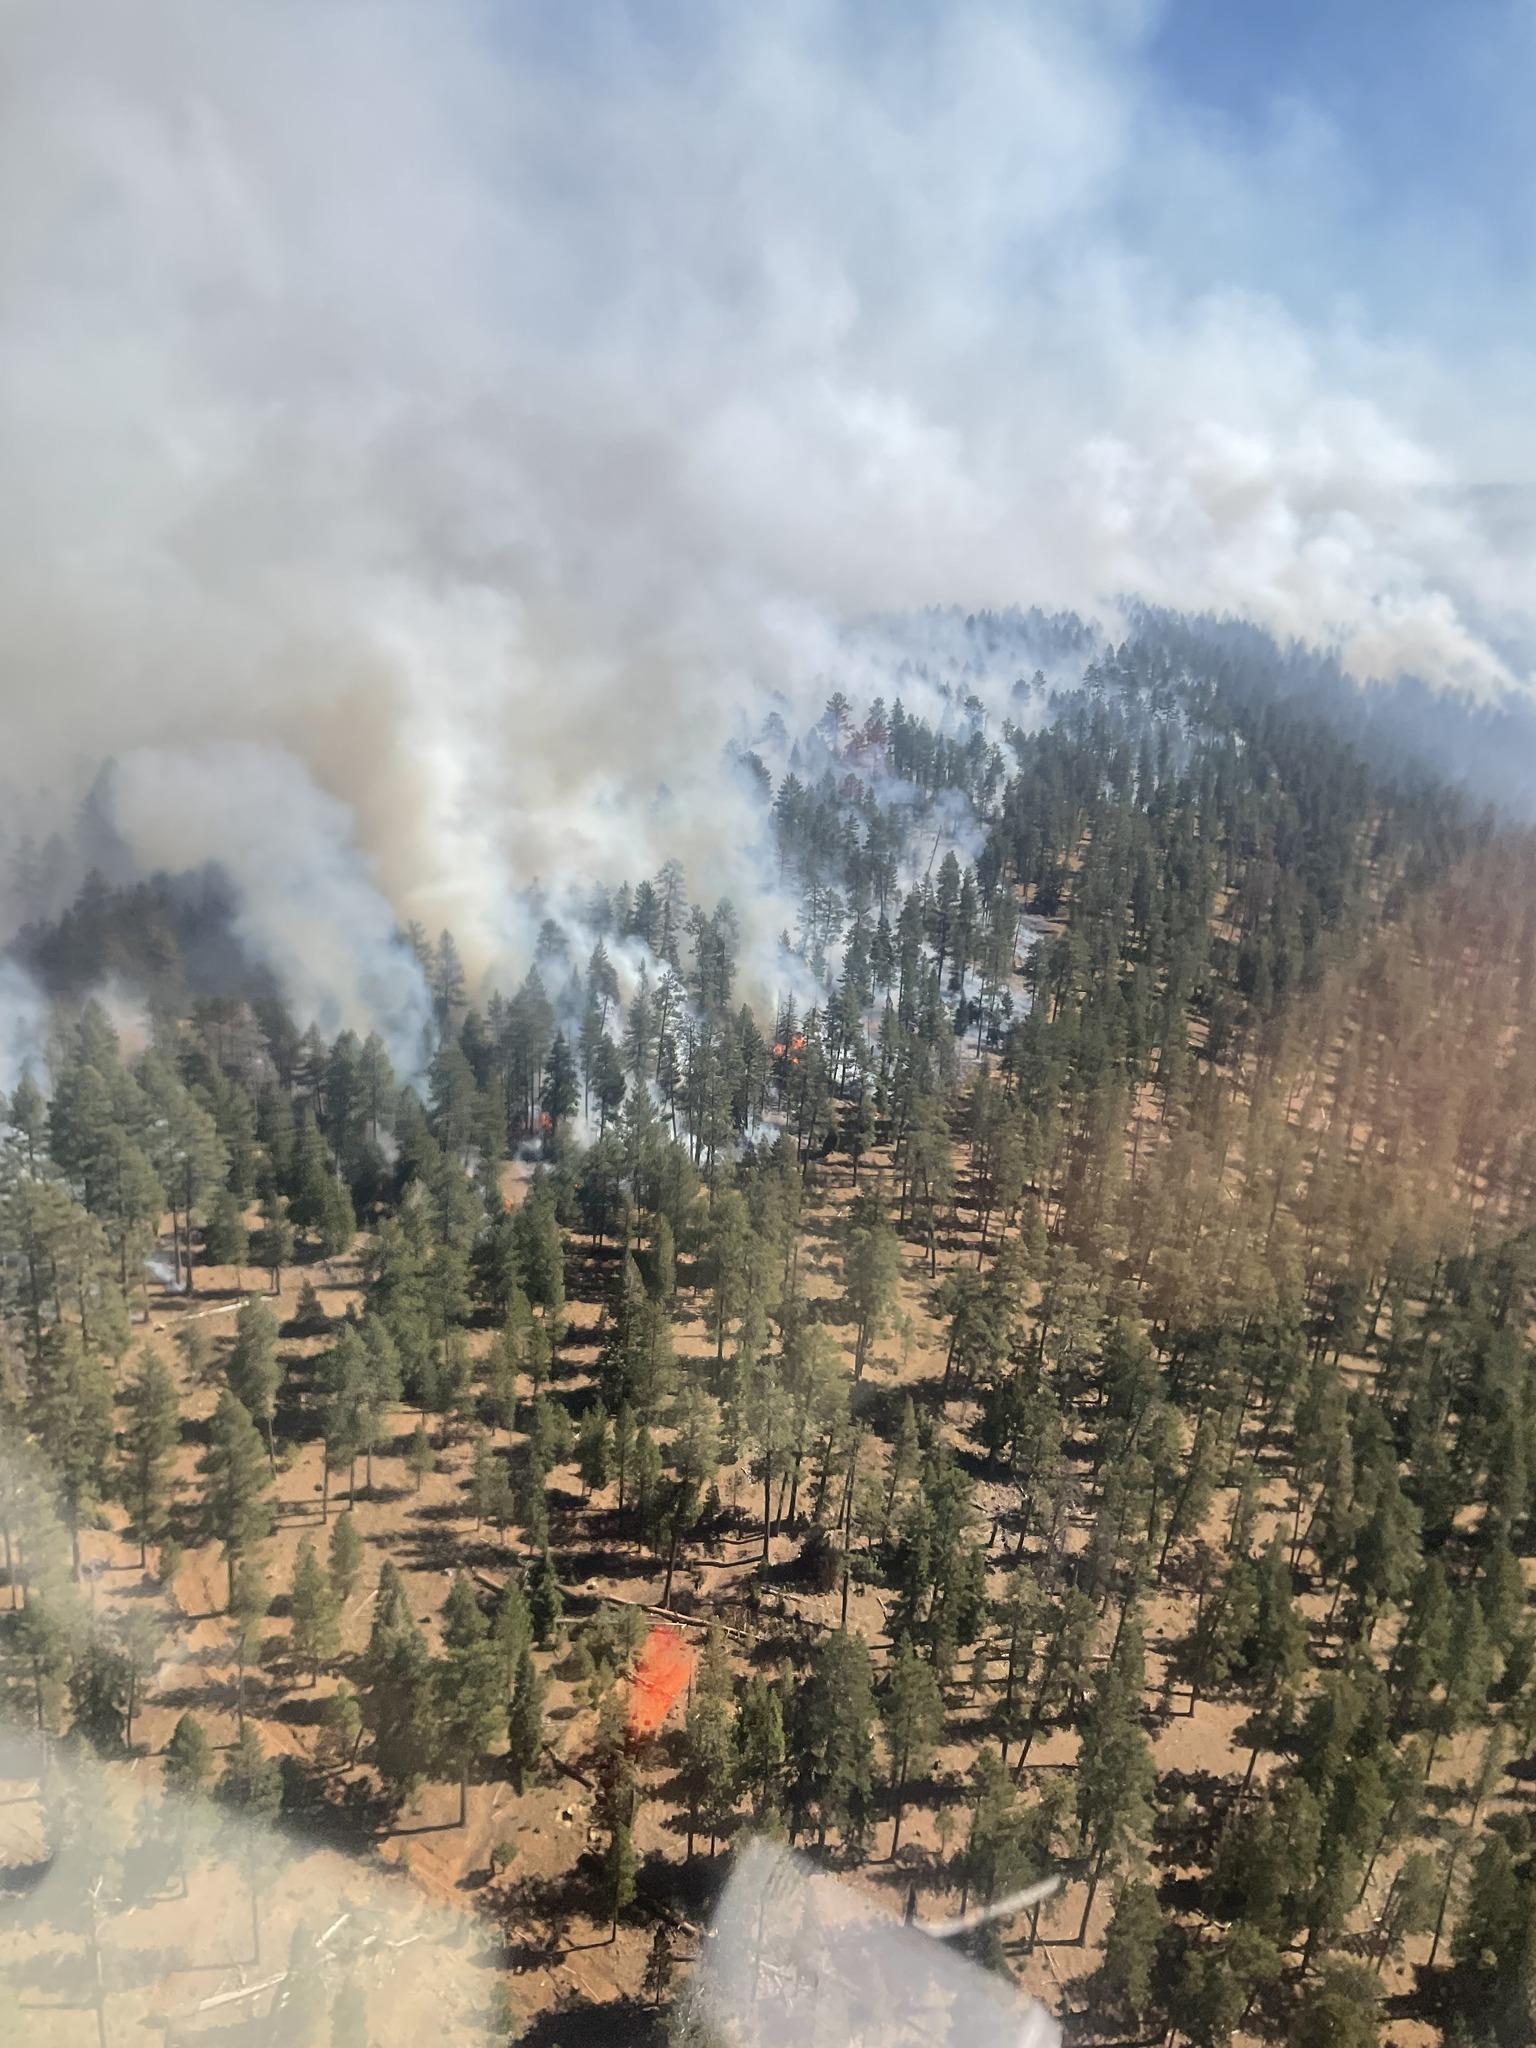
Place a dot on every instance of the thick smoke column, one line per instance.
(306, 901)
(489, 412)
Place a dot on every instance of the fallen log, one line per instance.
(568, 1770)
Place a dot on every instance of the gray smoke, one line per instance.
(23, 1027)
(487, 409)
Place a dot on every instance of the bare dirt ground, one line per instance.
(536, 1928)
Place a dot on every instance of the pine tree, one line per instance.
(620, 1868)
(470, 1708)
(420, 1458)
(272, 1245)
(1339, 2011)
(561, 1091)
(482, 1470)
(1409, 1908)
(709, 1762)
(871, 1267)
(253, 1370)
(70, 1411)
(1469, 1674)
(309, 1316)
(833, 1738)
(226, 1242)
(760, 1744)
(343, 1726)
(140, 1638)
(511, 1630)
(150, 1438)
(992, 1863)
(345, 1556)
(380, 1386)
(525, 1720)
(250, 1780)
(316, 1612)
(463, 1623)
(658, 1966)
(399, 1698)
(545, 1601)
(1130, 1949)
(236, 1475)
(912, 1711)
(98, 1691)
(188, 1757)
(592, 1449)
(249, 1605)
(251, 1787)
(1115, 1773)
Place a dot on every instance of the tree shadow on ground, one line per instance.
(622, 2023)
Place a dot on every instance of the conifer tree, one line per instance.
(463, 1623)
(236, 1477)
(871, 1263)
(760, 1744)
(188, 1756)
(343, 1728)
(253, 1370)
(658, 1965)
(482, 1469)
(272, 1245)
(912, 1711)
(470, 1707)
(1115, 1774)
(150, 1437)
(833, 1739)
(251, 1787)
(399, 1699)
(420, 1458)
(545, 1601)
(1130, 1949)
(620, 1867)
(249, 1605)
(226, 1241)
(525, 1719)
(709, 1759)
(70, 1411)
(592, 1449)
(345, 1555)
(511, 1629)
(316, 1612)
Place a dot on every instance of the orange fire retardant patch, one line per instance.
(662, 1672)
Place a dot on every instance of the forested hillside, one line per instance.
(1065, 1364)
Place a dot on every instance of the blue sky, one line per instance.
(1428, 104)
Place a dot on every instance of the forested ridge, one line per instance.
(1067, 1362)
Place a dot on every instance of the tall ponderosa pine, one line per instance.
(316, 1612)
(525, 1718)
(833, 1739)
(253, 1370)
(236, 1476)
(912, 1713)
(150, 1436)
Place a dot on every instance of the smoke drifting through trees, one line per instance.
(505, 419)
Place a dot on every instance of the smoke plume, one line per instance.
(432, 431)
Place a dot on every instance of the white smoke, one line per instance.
(24, 1014)
(491, 408)
(305, 900)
